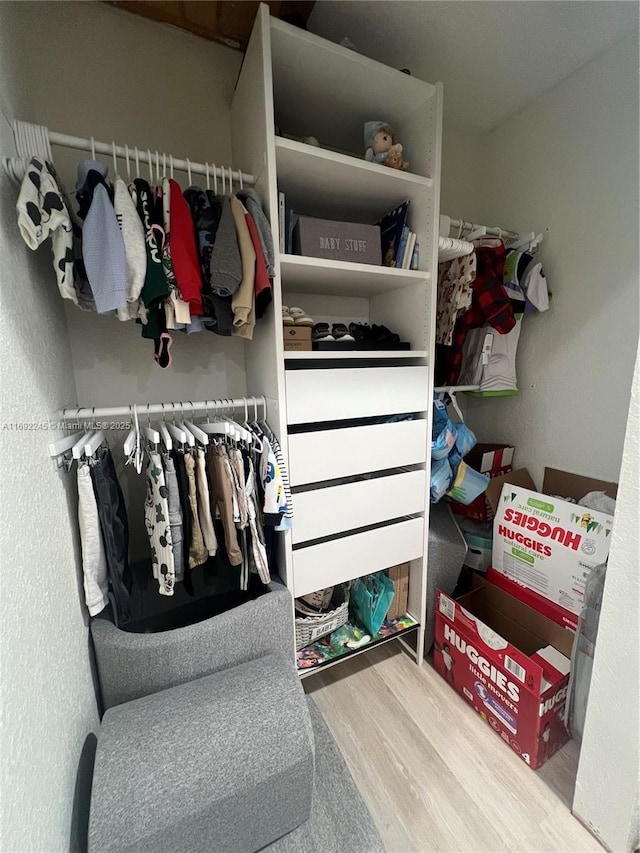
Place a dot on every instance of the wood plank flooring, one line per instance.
(435, 777)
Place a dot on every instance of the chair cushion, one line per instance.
(224, 763)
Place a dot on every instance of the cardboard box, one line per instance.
(510, 663)
(297, 338)
(399, 575)
(338, 241)
(544, 547)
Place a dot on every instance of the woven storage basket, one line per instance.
(311, 628)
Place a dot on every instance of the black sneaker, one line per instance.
(360, 331)
(321, 332)
(341, 333)
(382, 335)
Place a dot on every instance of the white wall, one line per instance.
(48, 702)
(607, 795)
(569, 162)
(113, 75)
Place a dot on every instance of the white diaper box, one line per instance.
(543, 546)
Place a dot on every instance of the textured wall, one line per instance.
(113, 75)
(48, 706)
(607, 793)
(569, 161)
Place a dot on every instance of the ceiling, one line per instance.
(493, 56)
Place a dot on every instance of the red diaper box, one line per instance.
(544, 547)
(510, 663)
(494, 460)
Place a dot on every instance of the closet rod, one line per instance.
(159, 408)
(472, 226)
(107, 148)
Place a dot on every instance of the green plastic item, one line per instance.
(371, 598)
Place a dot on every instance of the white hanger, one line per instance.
(115, 163)
(220, 427)
(171, 166)
(63, 445)
(481, 231)
(189, 170)
(164, 432)
(157, 168)
(240, 177)
(93, 149)
(191, 439)
(150, 162)
(224, 182)
(126, 155)
(137, 162)
(77, 451)
(206, 171)
(94, 442)
(199, 434)
(215, 179)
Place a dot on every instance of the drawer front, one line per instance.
(336, 394)
(340, 560)
(322, 512)
(333, 453)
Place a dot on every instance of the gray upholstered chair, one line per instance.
(207, 743)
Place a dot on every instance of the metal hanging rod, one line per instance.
(24, 133)
(89, 412)
(462, 224)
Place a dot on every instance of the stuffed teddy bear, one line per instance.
(394, 158)
(380, 141)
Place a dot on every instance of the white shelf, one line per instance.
(322, 183)
(341, 278)
(323, 355)
(455, 389)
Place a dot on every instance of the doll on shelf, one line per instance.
(382, 145)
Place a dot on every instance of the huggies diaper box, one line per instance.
(544, 547)
(510, 663)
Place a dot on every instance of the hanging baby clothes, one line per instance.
(204, 504)
(43, 213)
(155, 289)
(205, 212)
(175, 515)
(184, 252)
(115, 531)
(135, 250)
(197, 552)
(490, 304)
(258, 549)
(102, 244)
(94, 561)
(156, 516)
(489, 359)
(251, 200)
(287, 517)
(455, 293)
(220, 492)
(243, 300)
(226, 263)
(262, 287)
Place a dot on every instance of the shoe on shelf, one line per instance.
(341, 333)
(360, 331)
(287, 319)
(382, 335)
(321, 332)
(300, 317)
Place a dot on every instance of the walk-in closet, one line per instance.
(229, 462)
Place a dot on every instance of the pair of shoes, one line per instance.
(336, 332)
(295, 317)
(373, 334)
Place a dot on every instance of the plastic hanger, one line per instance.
(206, 171)
(93, 149)
(137, 156)
(126, 156)
(164, 432)
(94, 442)
(115, 162)
(77, 451)
(189, 171)
(171, 166)
(150, 163)
(64, 445)
(215, 179)
(474, 235)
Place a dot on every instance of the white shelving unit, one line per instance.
(360, 478)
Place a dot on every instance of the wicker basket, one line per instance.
(311, 628)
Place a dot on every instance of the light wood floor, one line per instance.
(435, 777)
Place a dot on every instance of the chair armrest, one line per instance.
(134, 665)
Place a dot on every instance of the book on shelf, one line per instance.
(408, 255)
(281, 222)
(391, 226)
(402, 248)
(415, 258)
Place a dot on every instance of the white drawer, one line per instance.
(340, 560)
(360, 392)
(322, 512)
(329, 454)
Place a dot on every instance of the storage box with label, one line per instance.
(337, 241)
(494, 460)
(510, 663)
(543, 546)
(297, 338)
